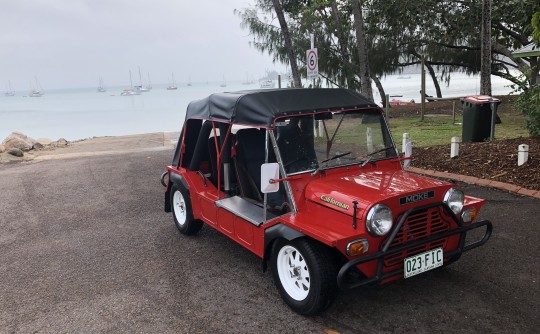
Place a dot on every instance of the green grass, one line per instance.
(438, 129)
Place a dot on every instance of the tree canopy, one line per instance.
(446, 32)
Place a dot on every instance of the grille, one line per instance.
(417, 226)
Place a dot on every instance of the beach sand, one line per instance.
(99, 146)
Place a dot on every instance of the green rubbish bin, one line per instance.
(477, 118)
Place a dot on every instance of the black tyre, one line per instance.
(182, 211)
(305, 274)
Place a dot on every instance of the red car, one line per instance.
(311, 182)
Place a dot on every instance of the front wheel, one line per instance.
(182, 212)
(305, 275)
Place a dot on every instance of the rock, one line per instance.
(60, 143)
(2, 148)
(15, 152)
(37, 146)
(17, 142)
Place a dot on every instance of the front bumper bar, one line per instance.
(386, 251)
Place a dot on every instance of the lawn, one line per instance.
(438, 129)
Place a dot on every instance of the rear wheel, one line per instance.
(182, 211)
(305, 275)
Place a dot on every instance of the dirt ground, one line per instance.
(494, 161)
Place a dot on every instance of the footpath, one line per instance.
(99, 146)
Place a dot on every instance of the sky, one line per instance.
(71, 43)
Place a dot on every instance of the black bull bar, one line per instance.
(386, 251)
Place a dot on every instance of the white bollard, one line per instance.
(454, 147)
(406, 140)
(523, 154)
(408, 153)
(369, 140)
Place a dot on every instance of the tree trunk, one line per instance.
(485, 65)
(363, 62)
(434, 78)
(342, 46)
(288, 43)
(380, 88)
(535, 71)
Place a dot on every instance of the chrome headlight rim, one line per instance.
(455, 199)
(371, 217)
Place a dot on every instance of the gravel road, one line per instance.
(85, 247)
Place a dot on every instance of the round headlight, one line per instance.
(454, 198)
(379, 220)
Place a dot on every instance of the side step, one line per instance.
(245, 209)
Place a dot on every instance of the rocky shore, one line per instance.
(19, 147)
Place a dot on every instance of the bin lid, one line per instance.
(480, 99)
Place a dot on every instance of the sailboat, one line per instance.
(140, 87)
(248, 81)
(224, 83)
(149, 85)
(101, 87)
(37, 91)
(9, 90)
(172, 85)
(130, 91)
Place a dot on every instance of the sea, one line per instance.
(81, 113)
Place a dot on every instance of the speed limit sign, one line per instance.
(312, 62)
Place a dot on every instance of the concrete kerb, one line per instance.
(478, 181)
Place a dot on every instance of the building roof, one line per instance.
(262, 107)
(529, 50)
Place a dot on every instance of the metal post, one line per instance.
(453, 112)
(493, 116)
(279, 80)
(423, 90)
(387, 105)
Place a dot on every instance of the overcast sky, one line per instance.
(71, 43)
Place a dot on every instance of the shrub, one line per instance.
(529, 104)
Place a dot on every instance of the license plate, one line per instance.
(423, 262)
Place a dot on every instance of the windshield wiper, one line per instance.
(369, 156)
(329, 159)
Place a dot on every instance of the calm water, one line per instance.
(83, 113)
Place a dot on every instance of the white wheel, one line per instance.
(293, 272)
(305, 274)
(182, 211)
(179, 204)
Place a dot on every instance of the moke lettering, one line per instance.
(332, 201)
(416, 197)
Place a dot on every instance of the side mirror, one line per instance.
(269, 172)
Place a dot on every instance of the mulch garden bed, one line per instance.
(495, 161)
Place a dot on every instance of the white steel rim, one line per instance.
(179, 207)
(293, 272)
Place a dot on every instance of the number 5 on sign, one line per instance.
(312, 62)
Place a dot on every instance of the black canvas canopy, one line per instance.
(261, 107)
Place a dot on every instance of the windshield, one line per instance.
(329, 140)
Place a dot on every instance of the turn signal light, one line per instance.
(357, 247)
(469, 215)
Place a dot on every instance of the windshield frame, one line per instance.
(322, 166)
